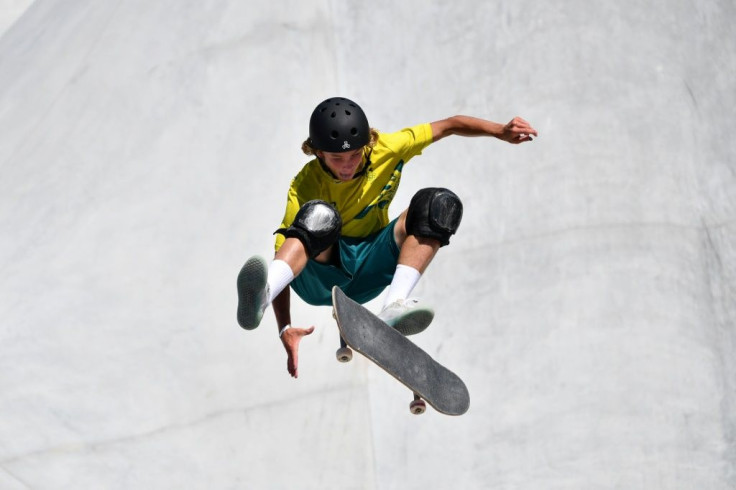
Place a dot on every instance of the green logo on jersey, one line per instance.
(387, 193)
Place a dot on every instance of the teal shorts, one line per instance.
(366, 266)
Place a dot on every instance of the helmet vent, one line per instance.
(334, 135)
(333, 114)
(354, 131)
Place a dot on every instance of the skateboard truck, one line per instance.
(418, 406)
(344, 353)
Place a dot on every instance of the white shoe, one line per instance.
(407, 316)
(252, 292)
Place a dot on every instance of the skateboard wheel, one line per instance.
(344, 354)
(418, 407)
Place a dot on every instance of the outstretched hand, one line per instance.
(518, 131)
(291, 339)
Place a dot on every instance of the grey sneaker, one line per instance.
(407, 316)
(252, 292)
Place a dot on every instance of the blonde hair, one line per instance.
(311, 151)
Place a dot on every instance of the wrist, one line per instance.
(284, 329)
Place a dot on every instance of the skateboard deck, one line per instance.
(364, 332)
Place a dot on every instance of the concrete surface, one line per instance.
(10, 12)
(588, 299)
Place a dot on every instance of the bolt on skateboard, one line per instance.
(364, 332)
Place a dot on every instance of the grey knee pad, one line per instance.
(434, 212)
(317, 225)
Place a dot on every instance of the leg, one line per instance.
(294, 253)
(431, 219)
(315, 229)
(416, 252)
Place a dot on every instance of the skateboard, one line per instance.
(364, 332)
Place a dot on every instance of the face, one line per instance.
(343, 165)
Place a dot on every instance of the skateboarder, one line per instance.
(336, 230)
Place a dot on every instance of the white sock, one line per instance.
(405, 278)
(279, 276)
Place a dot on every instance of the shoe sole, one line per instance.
(414, 321)
(251, 283)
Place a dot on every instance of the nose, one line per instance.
(351, 162)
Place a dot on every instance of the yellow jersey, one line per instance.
(363, 201)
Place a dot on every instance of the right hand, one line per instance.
(291, 338)
(518, 131)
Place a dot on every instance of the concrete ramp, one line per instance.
(11, 11)
(587, 300)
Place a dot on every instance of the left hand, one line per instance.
(518, 131)
(291, 339)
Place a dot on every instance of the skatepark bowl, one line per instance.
(587, 300)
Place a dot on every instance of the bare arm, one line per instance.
(282, 308)
(292, 336)
(515, 132)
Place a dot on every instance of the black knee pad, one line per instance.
(317, 225)
(434, 212)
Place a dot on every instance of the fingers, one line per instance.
(292, 362)
(522, 125)
(292, 365)
(520, 131)
(291, 339)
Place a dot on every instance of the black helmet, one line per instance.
(338, 125)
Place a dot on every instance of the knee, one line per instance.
(434, 212)
(317, 225)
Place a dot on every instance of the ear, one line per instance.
(320, 154)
